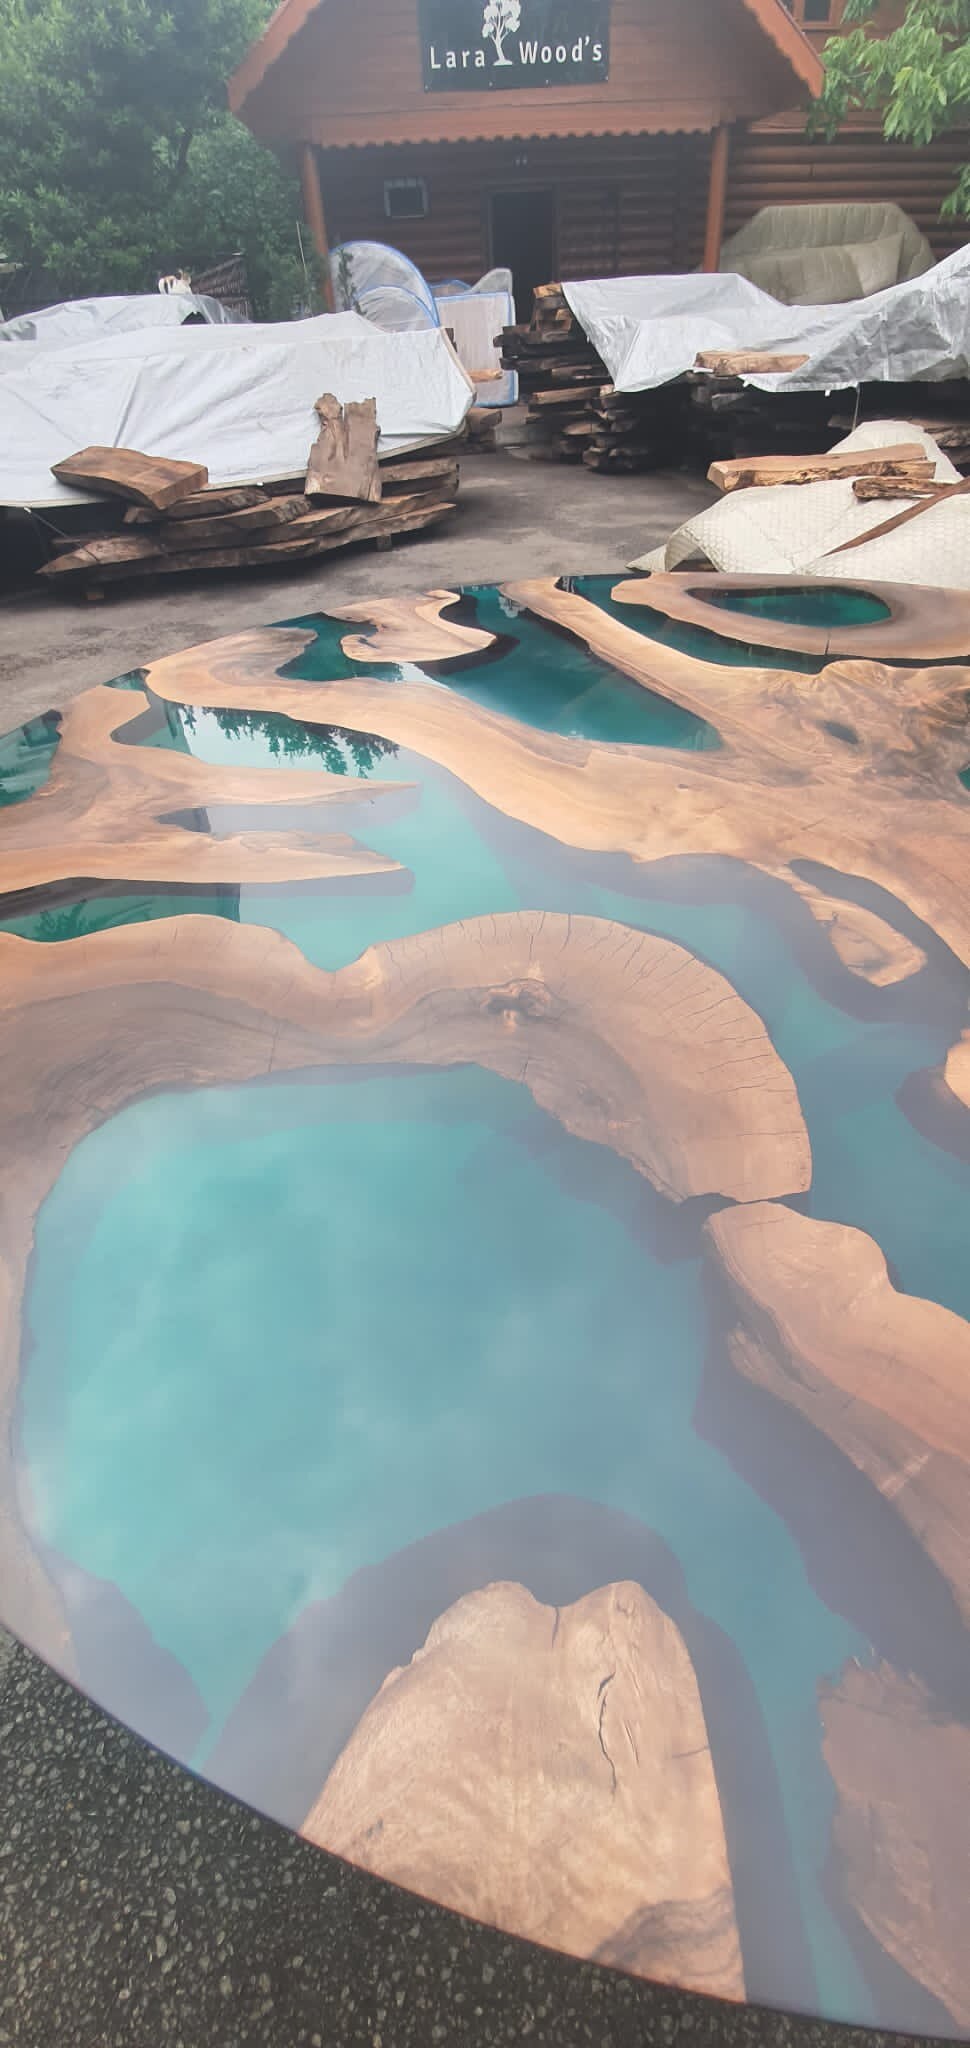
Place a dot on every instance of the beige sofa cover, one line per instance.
(827, 255)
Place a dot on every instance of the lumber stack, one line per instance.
(171, 523)
(574, 414)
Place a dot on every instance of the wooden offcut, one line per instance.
(343, 459)
(151, 480)
(746, 362)
(875, 487)
(908, 459)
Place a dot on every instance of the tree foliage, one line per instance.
(917, 76)
(118, 159)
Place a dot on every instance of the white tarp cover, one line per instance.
(476, 318)
(80, 320)
(239, 398)
(791, 529)
(649, 330)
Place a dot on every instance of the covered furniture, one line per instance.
(825, 255)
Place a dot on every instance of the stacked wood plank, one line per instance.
(173, 522)
(574, 414)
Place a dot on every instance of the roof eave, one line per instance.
(790, 41)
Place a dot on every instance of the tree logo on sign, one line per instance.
(502, 18)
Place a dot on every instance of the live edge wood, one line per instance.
(151, 480)
(884, 1375)
(548, 1771)
(901, 1842)
(909, 460)
(621, 1036)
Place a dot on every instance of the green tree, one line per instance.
(118, 159)
(917, 76)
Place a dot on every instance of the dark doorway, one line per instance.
(523, 238)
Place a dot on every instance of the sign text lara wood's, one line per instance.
(479, 45)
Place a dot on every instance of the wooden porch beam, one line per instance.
(315, 215)
(716, 196)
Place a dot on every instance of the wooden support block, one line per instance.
(343, 459)
(744, 472)
(123, 473)
(751, 362)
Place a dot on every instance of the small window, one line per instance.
(817, 10)
(405, 198)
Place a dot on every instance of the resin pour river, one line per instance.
(492, 1385)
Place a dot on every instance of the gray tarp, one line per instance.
(649, 330)
(239, 398)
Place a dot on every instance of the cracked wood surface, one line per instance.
(900, 1836)
(884, 1375)
(548, 1770)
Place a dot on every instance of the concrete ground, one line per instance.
(514, 518)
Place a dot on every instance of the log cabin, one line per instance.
(562, 138)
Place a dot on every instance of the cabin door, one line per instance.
(522, 237)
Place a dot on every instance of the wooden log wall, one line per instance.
(629, 203)
(776, 163)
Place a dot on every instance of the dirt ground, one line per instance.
(514, 518)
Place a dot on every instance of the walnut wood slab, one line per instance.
(548, 1771)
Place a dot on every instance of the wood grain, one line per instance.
(901, 1834)
(884, 1375)
(105, 811)
(548, 1771)
(742, 472)
(619, 1035)
(923, 625)
(153, 480)
(343, 459)
(409, 630)
(857, 769)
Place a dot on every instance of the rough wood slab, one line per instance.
(868, 488)
(124, 473)
(260, 518)
(571, 1742)
(343, 459)
(743, 362)
(401, 471)
(112, 559)
(747, 471)
(202, 505)
(903, 518)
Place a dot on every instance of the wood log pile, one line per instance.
(172, 521)
(574, 413)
